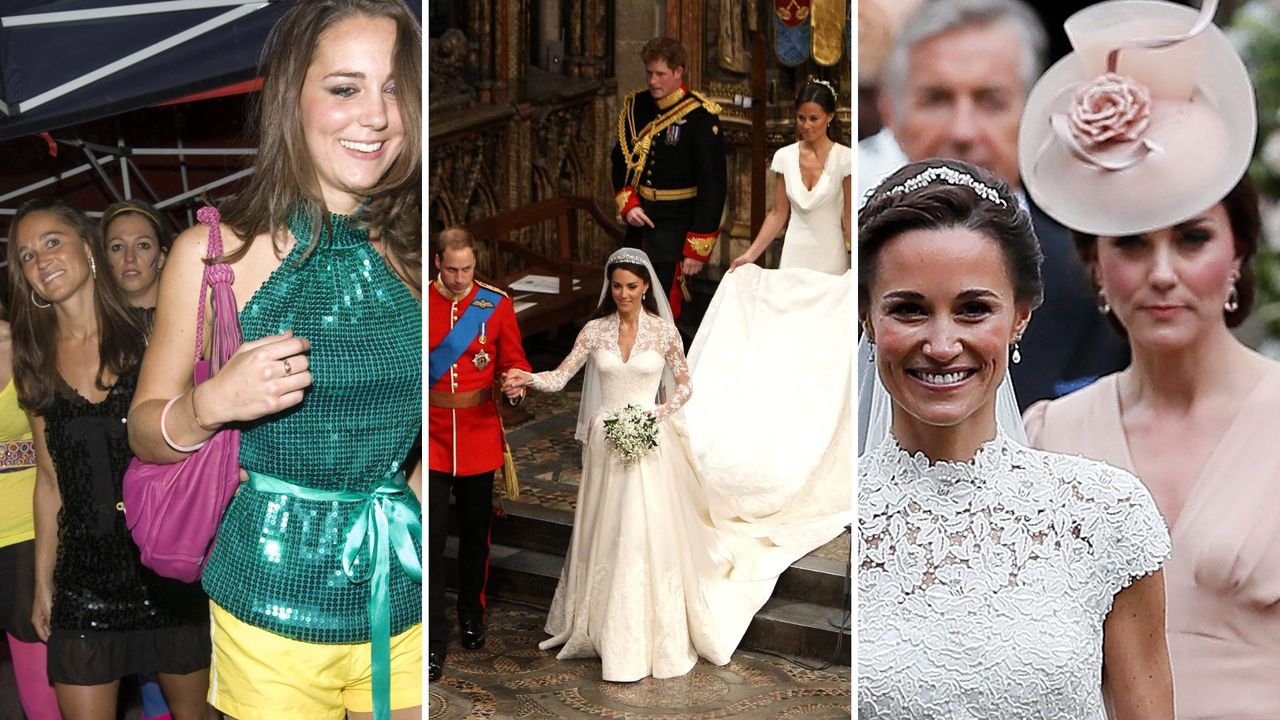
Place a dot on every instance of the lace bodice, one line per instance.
(635, 380)
(983, 586)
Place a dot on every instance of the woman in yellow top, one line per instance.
(17, 542)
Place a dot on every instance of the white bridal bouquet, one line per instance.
(631, 432)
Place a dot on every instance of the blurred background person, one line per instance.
(135, 240)
(879, 22)
(955, 85)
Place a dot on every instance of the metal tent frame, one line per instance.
(98, 160)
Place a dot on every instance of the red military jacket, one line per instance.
(468, 441)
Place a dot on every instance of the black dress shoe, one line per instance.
(435, 666)
(472, 634)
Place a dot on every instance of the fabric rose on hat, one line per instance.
(1113, 107)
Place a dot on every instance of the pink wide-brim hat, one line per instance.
(1163, 138)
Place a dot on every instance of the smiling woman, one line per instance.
(314, 614)
(1000, 574)
(942, 325)
(76, 349)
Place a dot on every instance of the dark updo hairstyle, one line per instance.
(942, 205)
(1241, 205)
(608, 306)
(825, 98)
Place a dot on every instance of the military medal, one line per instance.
(481, 359)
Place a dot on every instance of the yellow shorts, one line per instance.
(257, 674)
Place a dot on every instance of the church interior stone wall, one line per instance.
(524, 94)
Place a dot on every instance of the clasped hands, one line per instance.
(514, 382)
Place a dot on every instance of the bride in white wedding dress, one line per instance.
(646, 584)
(672, 556)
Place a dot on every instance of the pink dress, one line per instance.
(1223, 579)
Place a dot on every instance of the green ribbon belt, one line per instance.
(386, 522)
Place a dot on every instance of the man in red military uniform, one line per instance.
(474, 341)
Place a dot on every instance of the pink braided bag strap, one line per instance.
(218, 276)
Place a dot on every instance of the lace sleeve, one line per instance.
(1136, 537)
(679, 367)
(555, 380)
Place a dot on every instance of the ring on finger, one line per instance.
(288, 369)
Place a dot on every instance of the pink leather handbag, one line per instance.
(173, 511)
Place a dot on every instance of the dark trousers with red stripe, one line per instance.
(473, 505)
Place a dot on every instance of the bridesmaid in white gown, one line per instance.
(812, 191)
(788, 487)
(645, 585)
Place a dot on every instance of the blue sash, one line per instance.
(459, 338)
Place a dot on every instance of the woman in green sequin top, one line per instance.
(321, 546)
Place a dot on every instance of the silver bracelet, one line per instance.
(164, 415)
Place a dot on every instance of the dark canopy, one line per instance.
(35, 59)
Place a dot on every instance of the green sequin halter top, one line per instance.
(277, 560)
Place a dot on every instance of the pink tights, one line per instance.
(34, 689)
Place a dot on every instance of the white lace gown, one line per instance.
(645, 586)
(814, 238)
(983, 586)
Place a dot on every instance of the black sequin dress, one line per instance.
(111, 615)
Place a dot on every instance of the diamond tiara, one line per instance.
(628, 255)
(949, 176)
(829, 86)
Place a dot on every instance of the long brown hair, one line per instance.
(285, 175)
(121, 336)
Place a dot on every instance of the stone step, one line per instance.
(526, 526)
(787, 626)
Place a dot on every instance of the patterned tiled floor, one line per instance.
(512, 678)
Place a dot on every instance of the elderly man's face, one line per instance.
(963, 100)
